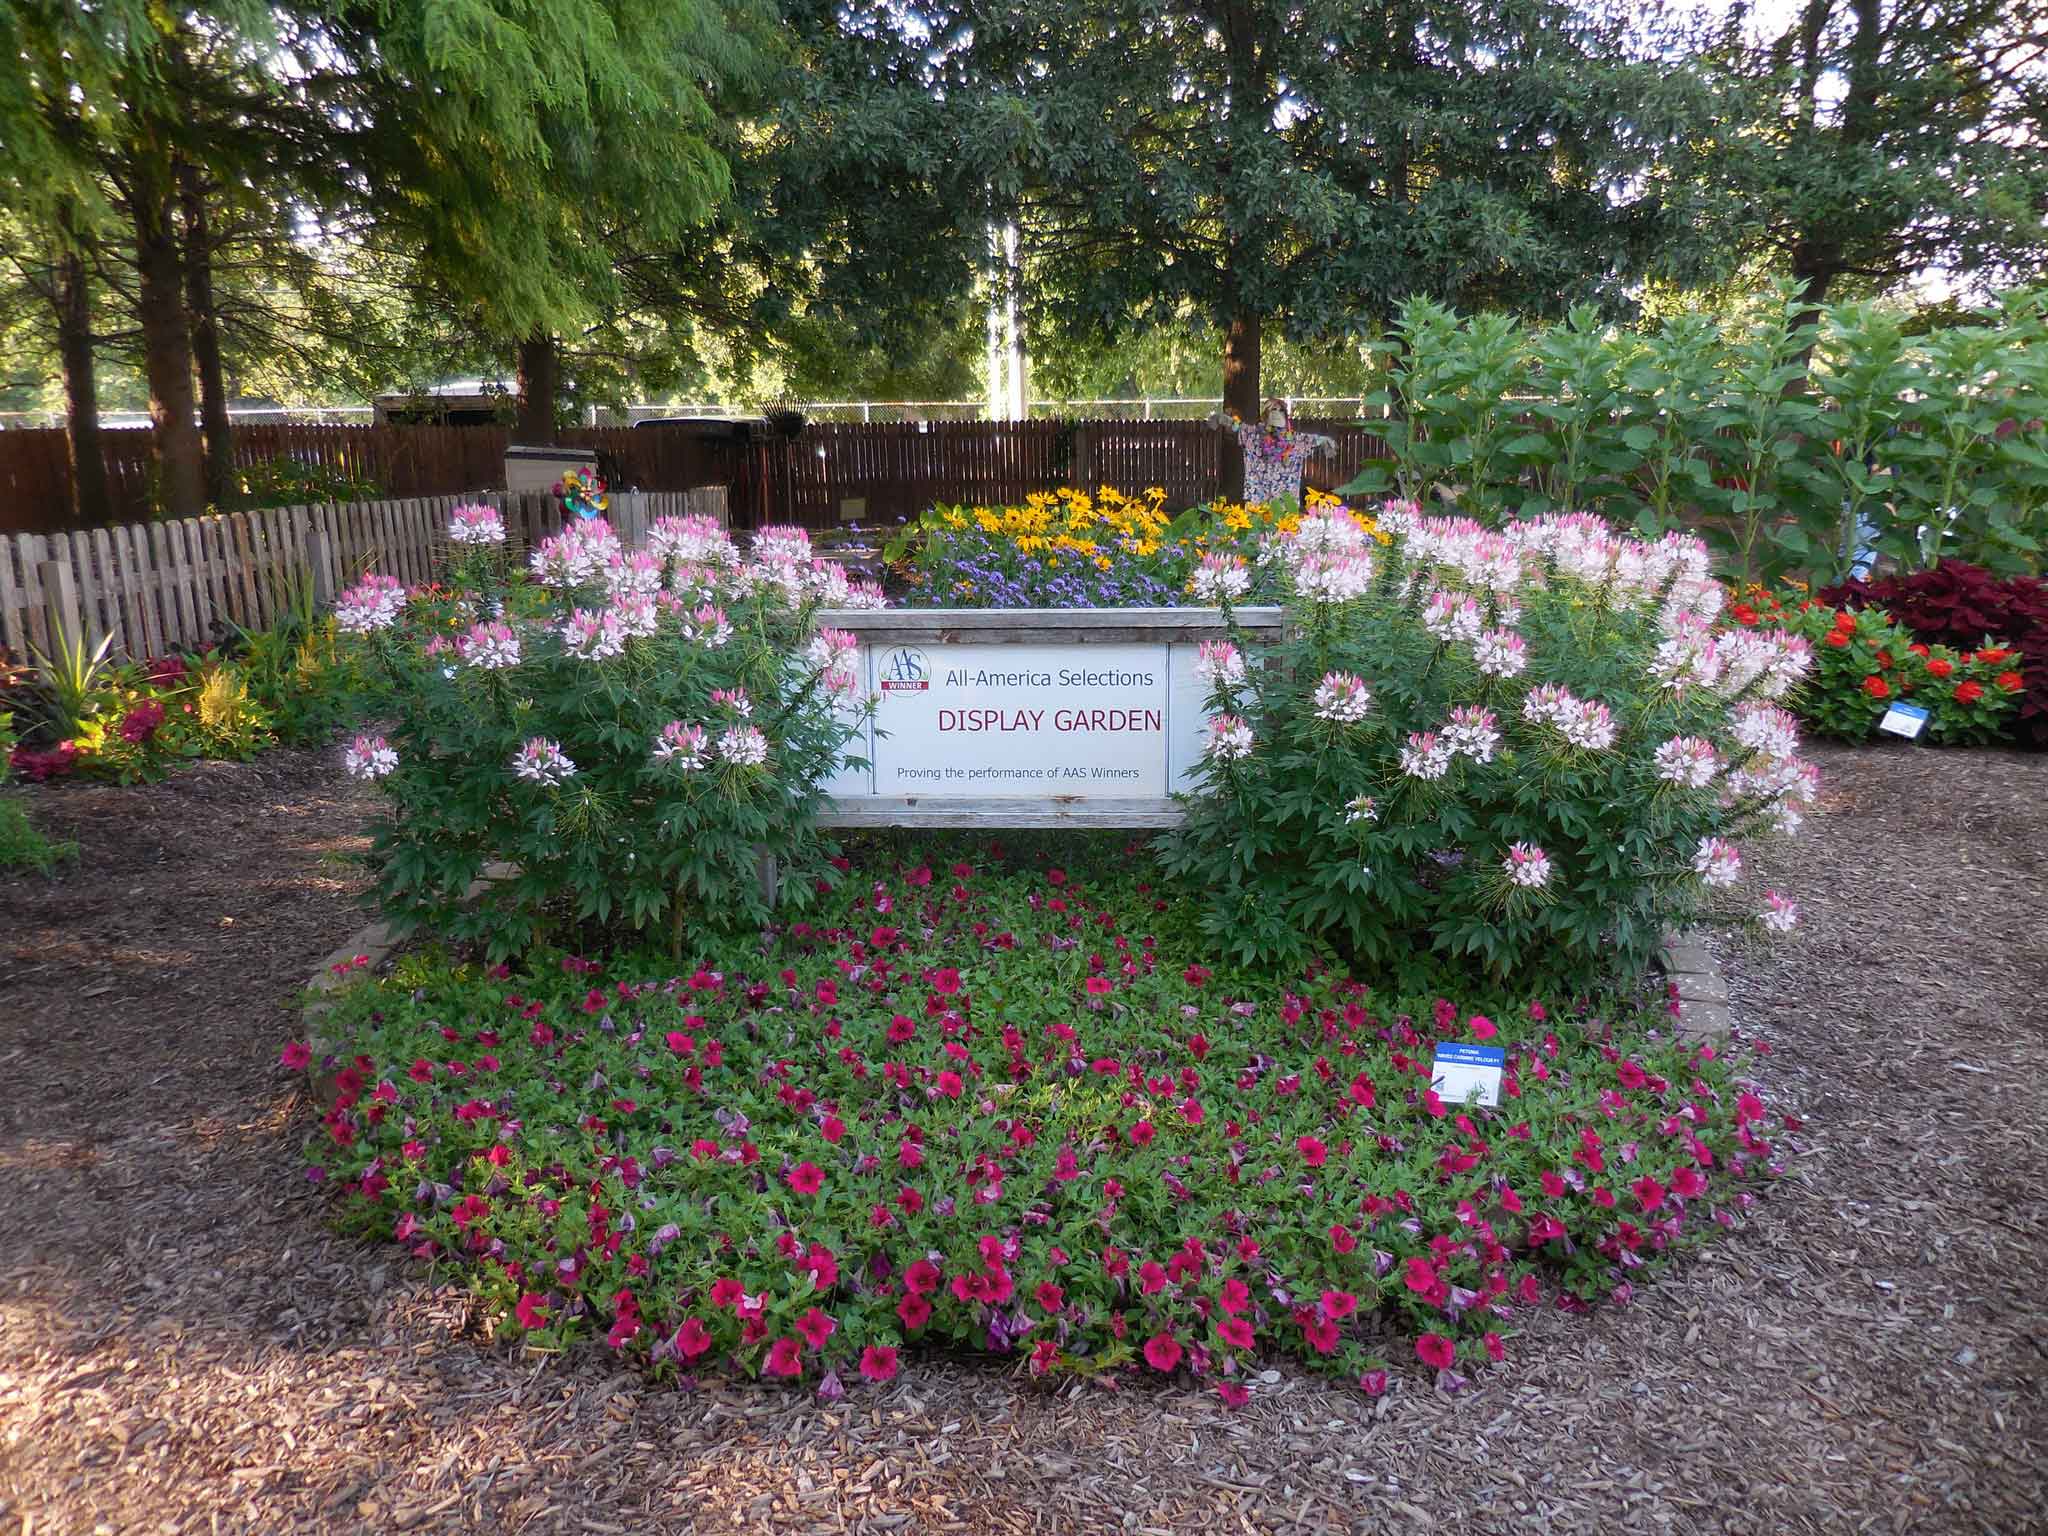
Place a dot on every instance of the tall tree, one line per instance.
(204, 311)
(1309, 163)
(71, 305)
(1866, 141)
(517, 146)
(148, 179)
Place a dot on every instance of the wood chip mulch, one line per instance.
(185, 1347)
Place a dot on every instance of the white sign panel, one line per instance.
(1088, 712)
(1903, 719)
(1020, 720)
(1460, 1072)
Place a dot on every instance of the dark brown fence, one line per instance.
(394, 462)
(877, 473)
(829, 474)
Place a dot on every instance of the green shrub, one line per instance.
(1926, 447)
(288, 482)
(1527, 747)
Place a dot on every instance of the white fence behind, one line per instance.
(163, 587)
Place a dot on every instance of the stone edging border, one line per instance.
(1689, 964)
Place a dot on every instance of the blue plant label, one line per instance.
(1461, 1072)
(1902, 719)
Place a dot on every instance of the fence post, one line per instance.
(60, 602)
(317, 555)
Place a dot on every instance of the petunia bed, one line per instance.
(985, 1103)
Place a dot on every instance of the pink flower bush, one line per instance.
(1554, 686)
(630, 728)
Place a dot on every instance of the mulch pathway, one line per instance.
(185, 1347)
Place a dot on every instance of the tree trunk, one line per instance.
(166, 339)
(205, 320)
(1240, 392)
(73, 302)
(1249, 116)
(540, 382)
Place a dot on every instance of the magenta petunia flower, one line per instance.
(816, 1327)
(784, 1359)
(1163, 1352)
(1312, 1151)
(692, 1339)
(1235, 1332)
(878, 1362)
(1433, 1349)
(1234, 1394)
(1648, 1192)
(806, 1178)
(1339, 1304)
(1322, 1335)
(531, 1311)
(296, 1056)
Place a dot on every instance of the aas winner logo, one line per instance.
(905, 670)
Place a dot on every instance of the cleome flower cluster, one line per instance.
(1562, 737)
(625, 725)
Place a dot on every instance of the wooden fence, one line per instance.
(176, 585)
(400, 462)
(845, 472)
(832, 473)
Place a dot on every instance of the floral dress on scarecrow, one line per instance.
(1275, 460)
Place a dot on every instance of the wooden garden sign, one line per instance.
(1032, 717)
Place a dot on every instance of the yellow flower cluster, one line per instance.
(1059, 530)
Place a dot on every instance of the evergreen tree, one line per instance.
(1310, 162)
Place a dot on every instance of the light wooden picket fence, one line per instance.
(159, 588)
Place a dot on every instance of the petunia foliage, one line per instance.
(1001, 1106)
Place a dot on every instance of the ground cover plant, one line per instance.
(1070, 549)
(628, 730)
(980, 1100)
(1537, 747)
(22, 846)
(90, 715)
(132, 722)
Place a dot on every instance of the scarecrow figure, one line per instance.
(1275, 455)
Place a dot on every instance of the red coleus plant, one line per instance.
(753, 1166)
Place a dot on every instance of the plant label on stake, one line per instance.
(1903, 719)
(1461, 1070)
